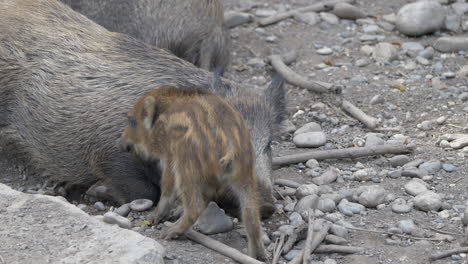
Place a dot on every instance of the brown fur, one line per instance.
(204, 149)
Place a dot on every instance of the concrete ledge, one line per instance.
(43, 229)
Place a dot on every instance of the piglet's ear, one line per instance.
(276, 95)
(149, 112)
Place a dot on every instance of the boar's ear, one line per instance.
(276, 96)
(149, 112)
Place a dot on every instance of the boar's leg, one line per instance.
(248, 196)
(167, 200)
(193, 200)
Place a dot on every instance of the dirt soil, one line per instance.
(421, 100)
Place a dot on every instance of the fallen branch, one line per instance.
(346, 153)
(448, 253)
(393, 234)
(278, 249)
(220, 247)
(444, 232)
(295, 79)
(319, 7)
(357, 113)
(339, 249)
(288, 183)
(318, 238)
(308, 248)
(281, 193)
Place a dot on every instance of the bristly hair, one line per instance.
(276, 92)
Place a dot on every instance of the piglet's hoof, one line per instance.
(171, 234)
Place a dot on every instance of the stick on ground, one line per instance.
(319, 7)
(310, 235)
(357, 113)
(288, 183)
(448, 253)
(338, 249)
(345, 153)
(393, 234)
(295, 79)
(317, 239)
(220, 247)
(278, 249)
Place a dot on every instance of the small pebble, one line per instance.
(432, 166)
(99, 206)
(234, 18)
(401, 208)
(326, 205)
(329, 176)
(348, 208)
(449, 167)
(371, 196)
(325, 51)
(427, 201)
(113, 218)
(348, 11)
(82, 206)
(415, 187)
(339, 230)
(305, 203)
(329, 18)
(309, 127)
(399, 160)
(407, 226)
(296, 219)
(140, 205)
(310, 140)
(312, 163)
(123, 210)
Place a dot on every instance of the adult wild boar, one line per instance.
(193, 30)
(67, 83)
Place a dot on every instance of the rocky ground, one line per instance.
(410, 72)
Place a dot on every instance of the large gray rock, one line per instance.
(213, 220)
(310, 140)
(419, 18)
(47, 229)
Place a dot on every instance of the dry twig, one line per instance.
(317, 239)
(278, 249)
(288, 183)
(310, 234)
(295, 79)
(346, 153)
(448, 253)
(220, 247)
(338, 249)
(393, 234)
(444, 232)
(357, 113)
